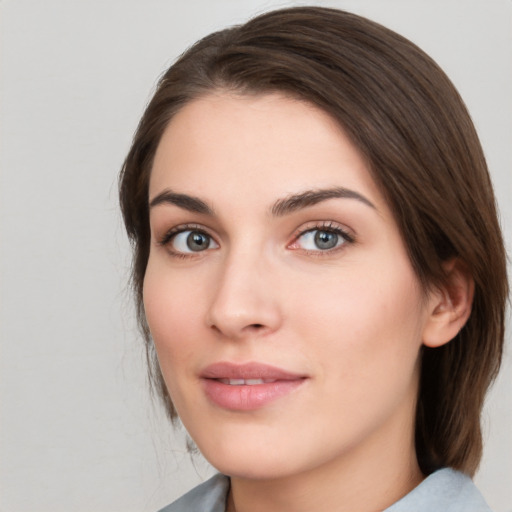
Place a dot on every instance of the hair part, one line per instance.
(408, 121)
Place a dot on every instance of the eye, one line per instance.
(318, 240)
(321, 239)
(189, 241)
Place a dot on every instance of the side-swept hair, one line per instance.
(408, 121)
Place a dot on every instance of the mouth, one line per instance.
(250, 386)
(246, 382)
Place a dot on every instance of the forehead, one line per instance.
(264, 146)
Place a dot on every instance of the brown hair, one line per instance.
(406, 118)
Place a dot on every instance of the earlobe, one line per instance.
(450, 305)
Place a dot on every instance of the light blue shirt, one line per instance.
(445, 490)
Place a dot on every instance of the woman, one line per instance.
(318, 264)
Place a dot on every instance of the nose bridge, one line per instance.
(244, 301)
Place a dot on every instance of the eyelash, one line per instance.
(328, 227)
(167, 238)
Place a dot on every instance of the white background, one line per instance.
(78, 429)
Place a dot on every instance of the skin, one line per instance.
(351, 319)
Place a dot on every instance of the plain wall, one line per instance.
(78, 428)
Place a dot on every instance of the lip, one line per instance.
(225, 384)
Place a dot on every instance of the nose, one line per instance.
(245, 300)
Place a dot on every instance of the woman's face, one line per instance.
(285, 312)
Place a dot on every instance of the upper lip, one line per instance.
(253, 370)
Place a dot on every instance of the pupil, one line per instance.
(326, 240)
(197, 241)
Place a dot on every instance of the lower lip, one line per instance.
(248, 398)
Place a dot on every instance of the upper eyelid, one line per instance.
(324, 225)
(168, 234)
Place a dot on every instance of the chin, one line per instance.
(255, 459)
(251, 469)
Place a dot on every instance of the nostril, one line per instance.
(247, 328)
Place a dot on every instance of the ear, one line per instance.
(449, 305)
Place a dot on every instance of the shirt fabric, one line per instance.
(445, 490)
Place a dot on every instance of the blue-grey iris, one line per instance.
(326, 239)
(197, 241)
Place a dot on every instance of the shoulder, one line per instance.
(210, 496)
(445, 489)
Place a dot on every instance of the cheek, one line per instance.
(171, 304)
(365, 323)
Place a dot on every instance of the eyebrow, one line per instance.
(307, 198)
(190, 203)
(280, 208)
